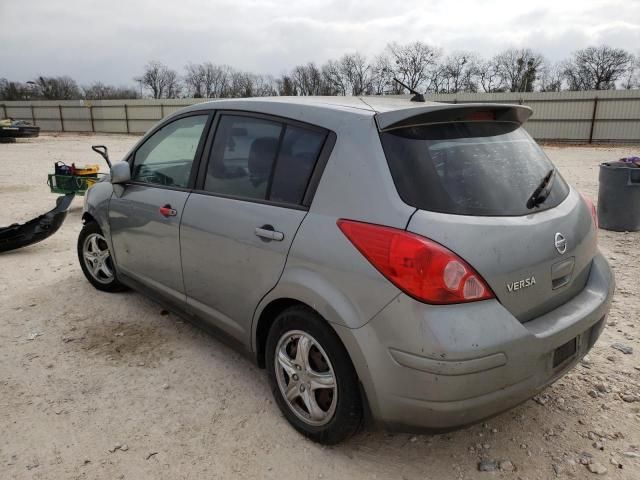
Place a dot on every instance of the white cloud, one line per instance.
(112, 40)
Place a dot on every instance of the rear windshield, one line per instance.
(470, 168)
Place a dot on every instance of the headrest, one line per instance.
(261, 156)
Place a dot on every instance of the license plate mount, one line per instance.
(565, 352)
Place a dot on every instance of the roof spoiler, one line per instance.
(447, 113)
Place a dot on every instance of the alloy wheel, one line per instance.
(97, 258)
(306, 378)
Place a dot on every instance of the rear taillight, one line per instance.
(418, 266)
(592, 209)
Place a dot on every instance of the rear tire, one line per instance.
(96, 260)
(312, 377)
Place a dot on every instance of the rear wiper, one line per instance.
(543, 190)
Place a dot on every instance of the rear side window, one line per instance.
(242, 157)
(469, 168)
(262, 159)
(296, 161)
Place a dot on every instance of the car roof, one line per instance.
(389, 111)
(371, 104)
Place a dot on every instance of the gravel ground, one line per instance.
(94, 385)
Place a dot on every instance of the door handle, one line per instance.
(267, 232)
(166, 211)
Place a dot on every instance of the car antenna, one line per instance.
(417, 97)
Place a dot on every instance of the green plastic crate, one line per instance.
(64, 184)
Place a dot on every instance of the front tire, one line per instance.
(96, 260)
(312, 377)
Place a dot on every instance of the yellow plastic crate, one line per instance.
(90, 169)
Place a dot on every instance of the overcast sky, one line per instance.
(111, 40)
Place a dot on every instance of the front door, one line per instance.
(239, 223)
(145, 218)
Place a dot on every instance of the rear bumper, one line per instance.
(427, 366)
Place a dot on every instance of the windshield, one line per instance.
(470, 168)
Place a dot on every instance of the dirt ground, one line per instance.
(103, 386)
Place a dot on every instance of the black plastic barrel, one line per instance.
(619, 196)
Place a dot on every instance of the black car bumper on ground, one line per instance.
(20, 235)
(19, 130)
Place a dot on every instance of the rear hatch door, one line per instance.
(471, 175)
(517, 256)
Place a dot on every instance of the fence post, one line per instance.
(61, 118)
(126, 116)
(4, 111)
(593, 118)
(93, 127)
(161, 111)
(33, 116)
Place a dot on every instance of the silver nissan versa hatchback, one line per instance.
(420, 264)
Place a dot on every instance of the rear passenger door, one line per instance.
(239, 223)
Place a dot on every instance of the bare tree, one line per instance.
(632, 76)
(350, 75)
(216, 79)
(100, 91)
(597, 68)
(307, 79)
(57, 88)
(245, 84)
(414, 62)
(458, 73)
(518, 68)
(221, 81)
(357, 71)
(206, 80)
(237, 85)
(337, 84)
(551, 78)
(194, 80)
(263, 86)
(488, 76)
(382, 74)
(15, 90)
(286, 86)
(160, 80)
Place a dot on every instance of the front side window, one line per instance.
(470, 168)
(166, 157)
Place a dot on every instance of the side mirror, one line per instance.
(120, 173)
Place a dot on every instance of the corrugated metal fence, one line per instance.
(595, 116)
(107, 116)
